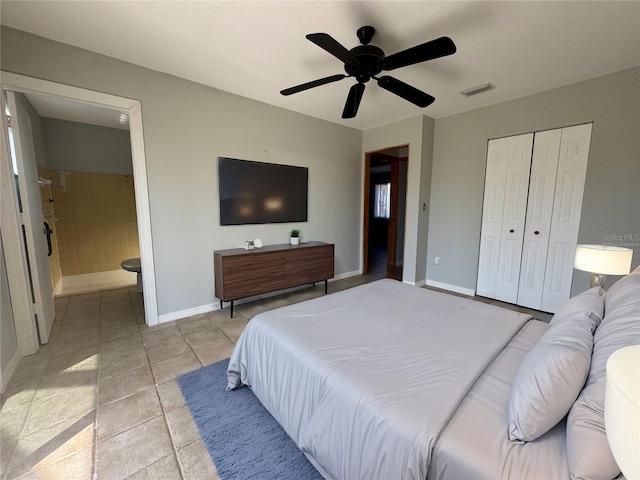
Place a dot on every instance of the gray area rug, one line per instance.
(243, 439)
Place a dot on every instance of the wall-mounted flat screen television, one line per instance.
(257, 192)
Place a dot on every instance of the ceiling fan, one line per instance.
(365, 62)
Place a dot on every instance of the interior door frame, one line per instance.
(366, 191)
(29, 85)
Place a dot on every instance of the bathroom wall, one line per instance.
(96, 226)
(48, 208)
(94, 198)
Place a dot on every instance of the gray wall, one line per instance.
(8, 340)
(186, 127)
(611, 204)
(81, 147)
(416, 133)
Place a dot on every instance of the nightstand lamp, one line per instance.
(622, 409)
(601, 261)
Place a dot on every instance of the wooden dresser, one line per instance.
(243, 273)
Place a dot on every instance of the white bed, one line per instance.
(390, 381)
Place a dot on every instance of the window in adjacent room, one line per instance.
(382, 200)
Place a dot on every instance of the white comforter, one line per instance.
(365, 380)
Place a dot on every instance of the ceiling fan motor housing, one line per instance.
(369, 61)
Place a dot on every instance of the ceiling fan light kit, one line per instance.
(365, 62)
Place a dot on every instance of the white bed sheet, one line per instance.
(475, 443)
(366, 387)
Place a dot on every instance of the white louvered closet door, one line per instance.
(565, 220)
(504, 209)
(542, 186)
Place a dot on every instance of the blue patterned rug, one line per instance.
(243, 439)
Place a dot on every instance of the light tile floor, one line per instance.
(101, 398)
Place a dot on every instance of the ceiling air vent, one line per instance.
(485, 87)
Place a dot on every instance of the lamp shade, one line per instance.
(604, 260)
(622, 409)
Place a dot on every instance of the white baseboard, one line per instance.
(340, 276)
(10, 369)
(419, 283)
(189, 312)
(57, 290)
(452, 288)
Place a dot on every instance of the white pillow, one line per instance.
(588, 451)
(552, 374)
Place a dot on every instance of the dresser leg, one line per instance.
(325, 286)
(231, 309)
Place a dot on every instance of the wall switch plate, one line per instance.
(436, 260)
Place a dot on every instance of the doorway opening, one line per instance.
(85, 173)
(385, 193)
(18, 268)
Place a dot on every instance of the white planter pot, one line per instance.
(294, 240)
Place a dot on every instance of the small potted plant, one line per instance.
(294, 236)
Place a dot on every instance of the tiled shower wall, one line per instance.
(46, 194)
(97, 226)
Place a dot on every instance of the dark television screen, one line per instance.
(257, 192)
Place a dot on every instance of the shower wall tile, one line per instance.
(97, 225)
(48, 210)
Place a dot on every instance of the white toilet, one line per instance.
(133, 265)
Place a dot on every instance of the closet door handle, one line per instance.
(536, 232)
(511, 231)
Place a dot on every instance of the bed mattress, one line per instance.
(367, 381)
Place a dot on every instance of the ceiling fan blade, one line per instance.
(353, 101)
(331, 45)
(314, 83)
(440, 47)
(406, 91)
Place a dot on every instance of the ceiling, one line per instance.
(257, 48)
(78, 112)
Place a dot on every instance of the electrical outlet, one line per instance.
(436, 260)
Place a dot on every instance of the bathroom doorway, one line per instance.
(18, 271)
(85, 171)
